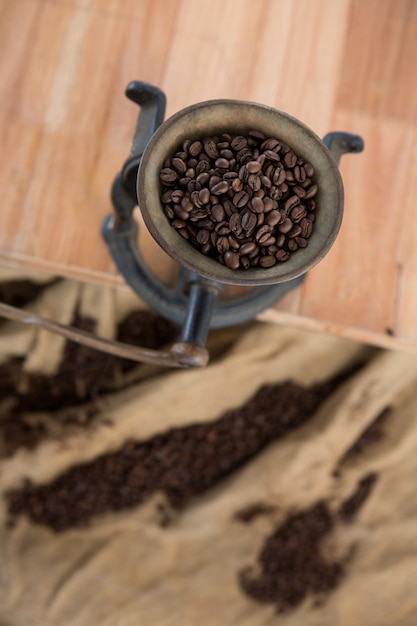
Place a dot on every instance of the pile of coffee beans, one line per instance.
(246, 201)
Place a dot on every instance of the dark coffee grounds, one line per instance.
(350, 507)
(182, 462)
(246, 201)
(292, 563)
(374, 433)
(84, 374)
(20, 292)
(249, 513)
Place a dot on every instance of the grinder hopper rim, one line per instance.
(238, 117)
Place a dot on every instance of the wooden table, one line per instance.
(66, 129)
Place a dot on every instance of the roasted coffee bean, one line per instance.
(266, 181)
(240, 199)
(260, 219)
(289, 176)
(245, 262)
(229, 175)
(231, 259)
(169, 212)
(290, 159)
(238, 143)
(223, 230)
(168, 176)
(247, 248)
(203, 178)
(195, 148)
(193, 185)
(210, 148)
(202, 166)
(229, 208)
(299, 191)
(295, 231)
(268, 205)
(285, 226)
(235, 223)
(275, 193)
(267, 261)
(302, 243)
(311, 192)
(237, 185)
(257, 205)
(204, 195)
(273, 218)
(291, 203)
(222, 245)
(263, 230)
(203, 236)
(233, 243)
(248, 221)
(299, 174)
(222, 163)
(253, 167)
(179, 165)
(206, 248)
(220, 187)
(244, 155)
(272, 156)
(298, 212)
(292, 245)
(180, 212)
(254, 182)
(306, 228)
(271, 144)
(177, 223)
(167, 196)
(281, 240)
(186, 204)
(217, 213)
(177, 194)
(195, 199)
(282, 255)
(205, 224)
(266, 241)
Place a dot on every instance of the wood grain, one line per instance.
(66, 129)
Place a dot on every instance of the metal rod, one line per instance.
(181, 354)
(197, 318)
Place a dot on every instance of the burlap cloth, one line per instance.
(125, 570)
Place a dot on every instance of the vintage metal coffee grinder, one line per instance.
(195, 303)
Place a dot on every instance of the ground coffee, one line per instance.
(246, 201)
(182, 462)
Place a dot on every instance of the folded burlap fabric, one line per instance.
(92, 548)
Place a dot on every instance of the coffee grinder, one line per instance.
(195, 303)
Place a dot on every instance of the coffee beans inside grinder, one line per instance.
(246, 201)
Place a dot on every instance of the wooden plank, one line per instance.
(335, 64)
